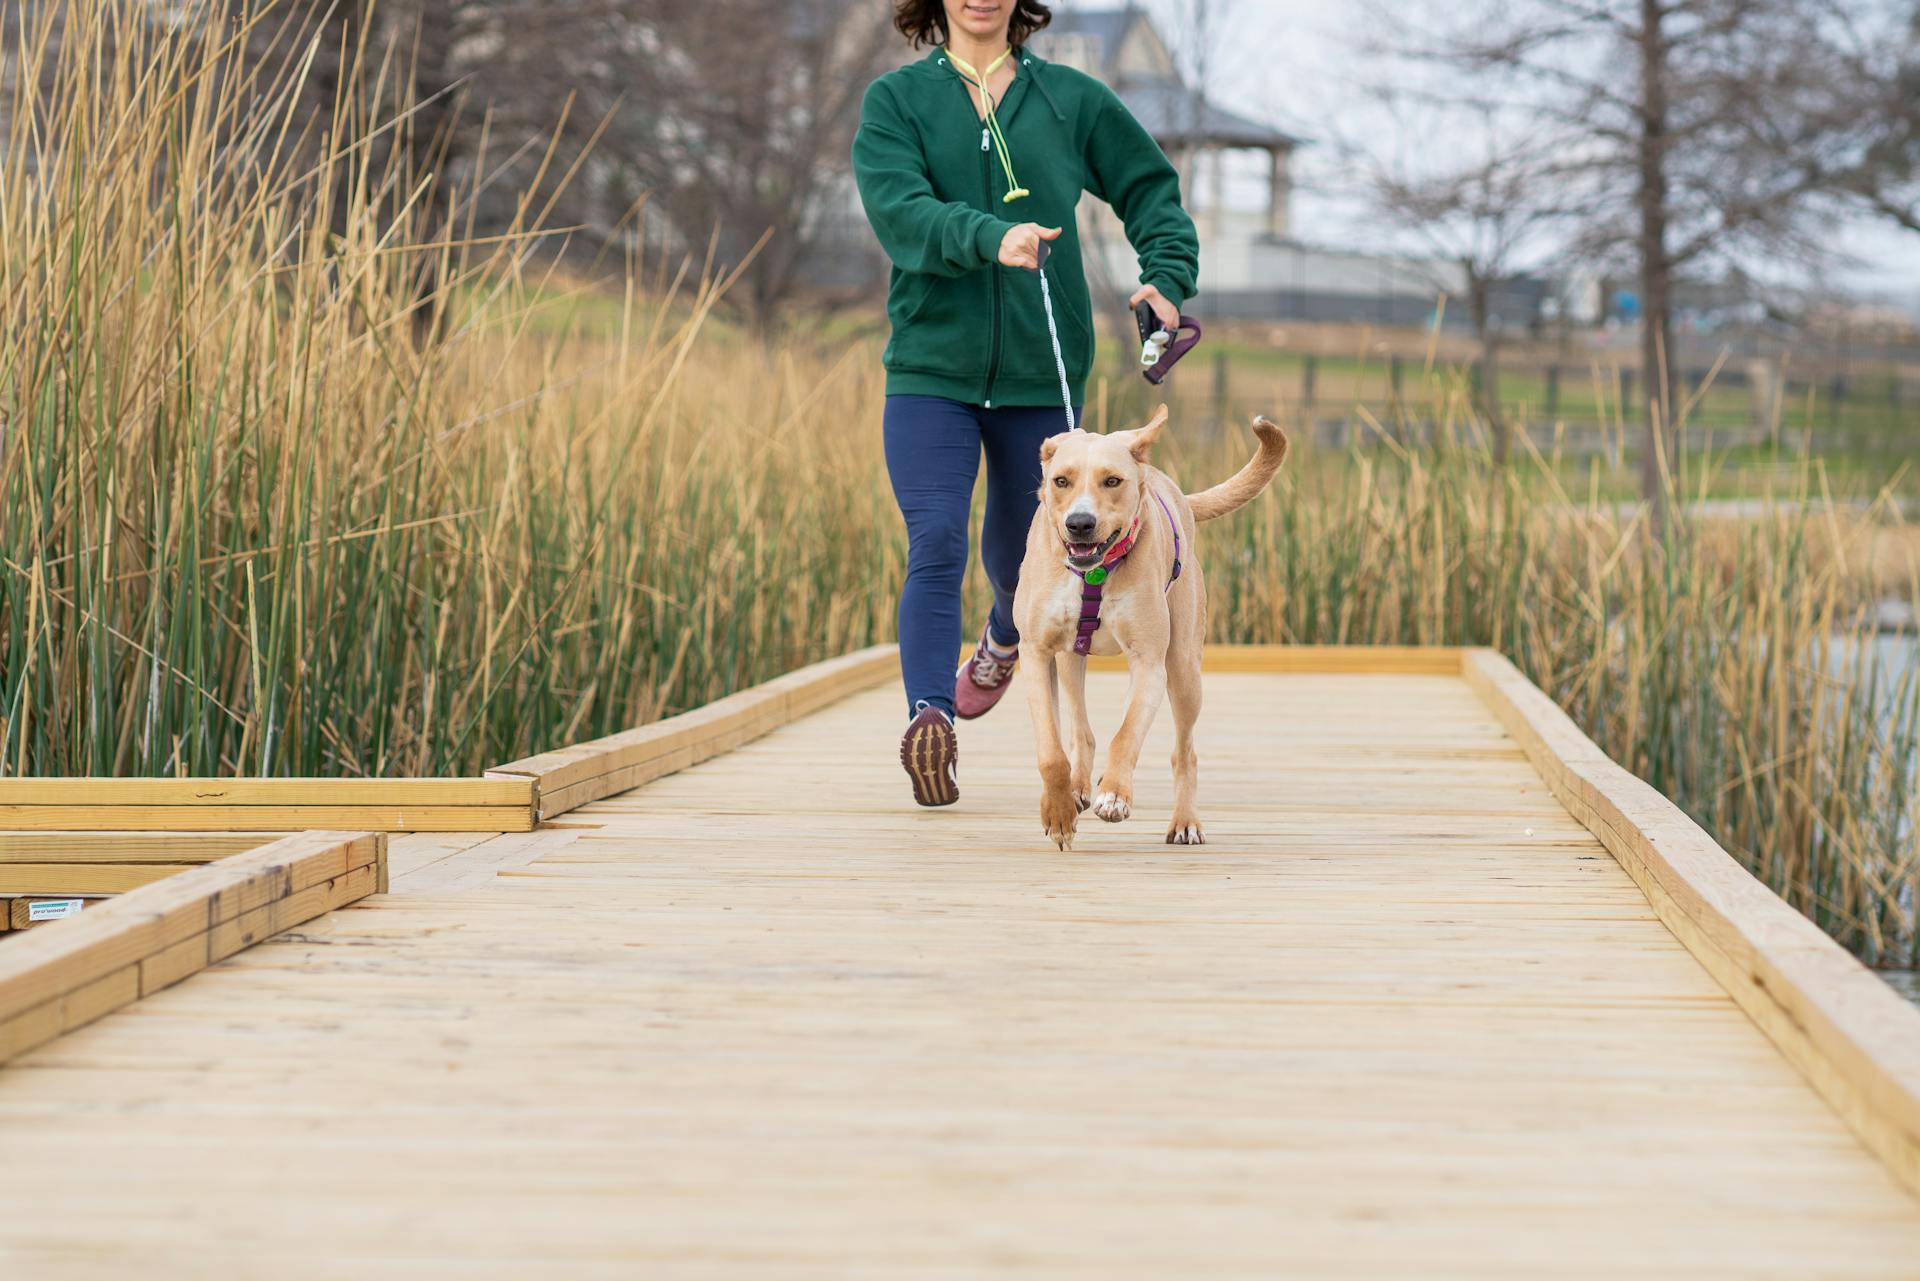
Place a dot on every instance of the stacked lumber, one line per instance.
(265, 804)
(574, 776)
(58, 978)
(89, 864)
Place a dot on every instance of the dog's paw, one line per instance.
(1059, 815)
(1189, 833)
(1082, 798)
(1112, 807)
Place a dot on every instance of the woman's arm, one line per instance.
(919, 231)
(1127, 169)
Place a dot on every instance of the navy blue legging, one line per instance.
(933, 454)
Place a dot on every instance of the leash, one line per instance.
(1053, 332)
(1161, 348)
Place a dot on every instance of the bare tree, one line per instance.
(1877, 84)
(1490, 216)
(1690, 134)
(733, 118)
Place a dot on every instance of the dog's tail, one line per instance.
(1245, 485)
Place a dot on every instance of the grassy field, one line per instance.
(256, 518)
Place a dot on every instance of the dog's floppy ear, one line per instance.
(1144, 437)
(1049, 447)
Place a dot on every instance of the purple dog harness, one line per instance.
(1094, 580)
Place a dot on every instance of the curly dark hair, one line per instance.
(925, 21)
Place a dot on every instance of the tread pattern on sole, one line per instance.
(929, 752)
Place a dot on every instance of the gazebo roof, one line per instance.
(1174, 115)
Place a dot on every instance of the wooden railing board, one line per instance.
(573, 776)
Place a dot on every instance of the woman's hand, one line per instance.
(1168, 313)
(1020, 247)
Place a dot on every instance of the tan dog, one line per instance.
(1095, 490)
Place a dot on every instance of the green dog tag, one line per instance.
(1096, 576)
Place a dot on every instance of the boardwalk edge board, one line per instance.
(1854, 1039)
(72, 972)
(151, 805)
(574, 776)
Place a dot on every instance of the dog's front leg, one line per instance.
(1073, 689)
(1149, 686)
(1058, 814)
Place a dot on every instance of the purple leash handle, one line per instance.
(1182, 343)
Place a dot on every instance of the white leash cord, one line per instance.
(1053, 332)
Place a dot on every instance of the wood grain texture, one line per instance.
(1403, 1017)
(1852, 1036)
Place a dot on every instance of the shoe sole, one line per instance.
(928, 753)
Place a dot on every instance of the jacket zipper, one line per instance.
(993, 347)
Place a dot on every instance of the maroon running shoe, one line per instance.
(930, 753)
(983, 678)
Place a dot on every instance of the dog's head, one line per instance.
(1094, 486)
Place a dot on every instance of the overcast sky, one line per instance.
(1300, 65)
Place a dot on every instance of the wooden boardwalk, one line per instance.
(1403, 1017)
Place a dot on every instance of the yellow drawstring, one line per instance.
(1015, 190)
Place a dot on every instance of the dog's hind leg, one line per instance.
(1183, 695)
(1115, 801)
(1073, 691)
(1058, 814)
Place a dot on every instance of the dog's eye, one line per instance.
(1060, 482)
(1114, 482)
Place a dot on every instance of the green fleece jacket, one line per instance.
(964, 326)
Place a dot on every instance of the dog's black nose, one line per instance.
(1080, 526)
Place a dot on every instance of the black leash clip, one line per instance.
(1161, 348)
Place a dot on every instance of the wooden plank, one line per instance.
(472, 868)
(146, 921)
(69, 1010)
(1854, 1039)
(187, 818)
(127, 847)
(79, 879)
(1318, 660)
(273, 793)
(572, 776)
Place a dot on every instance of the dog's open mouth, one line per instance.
(1087, 555)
